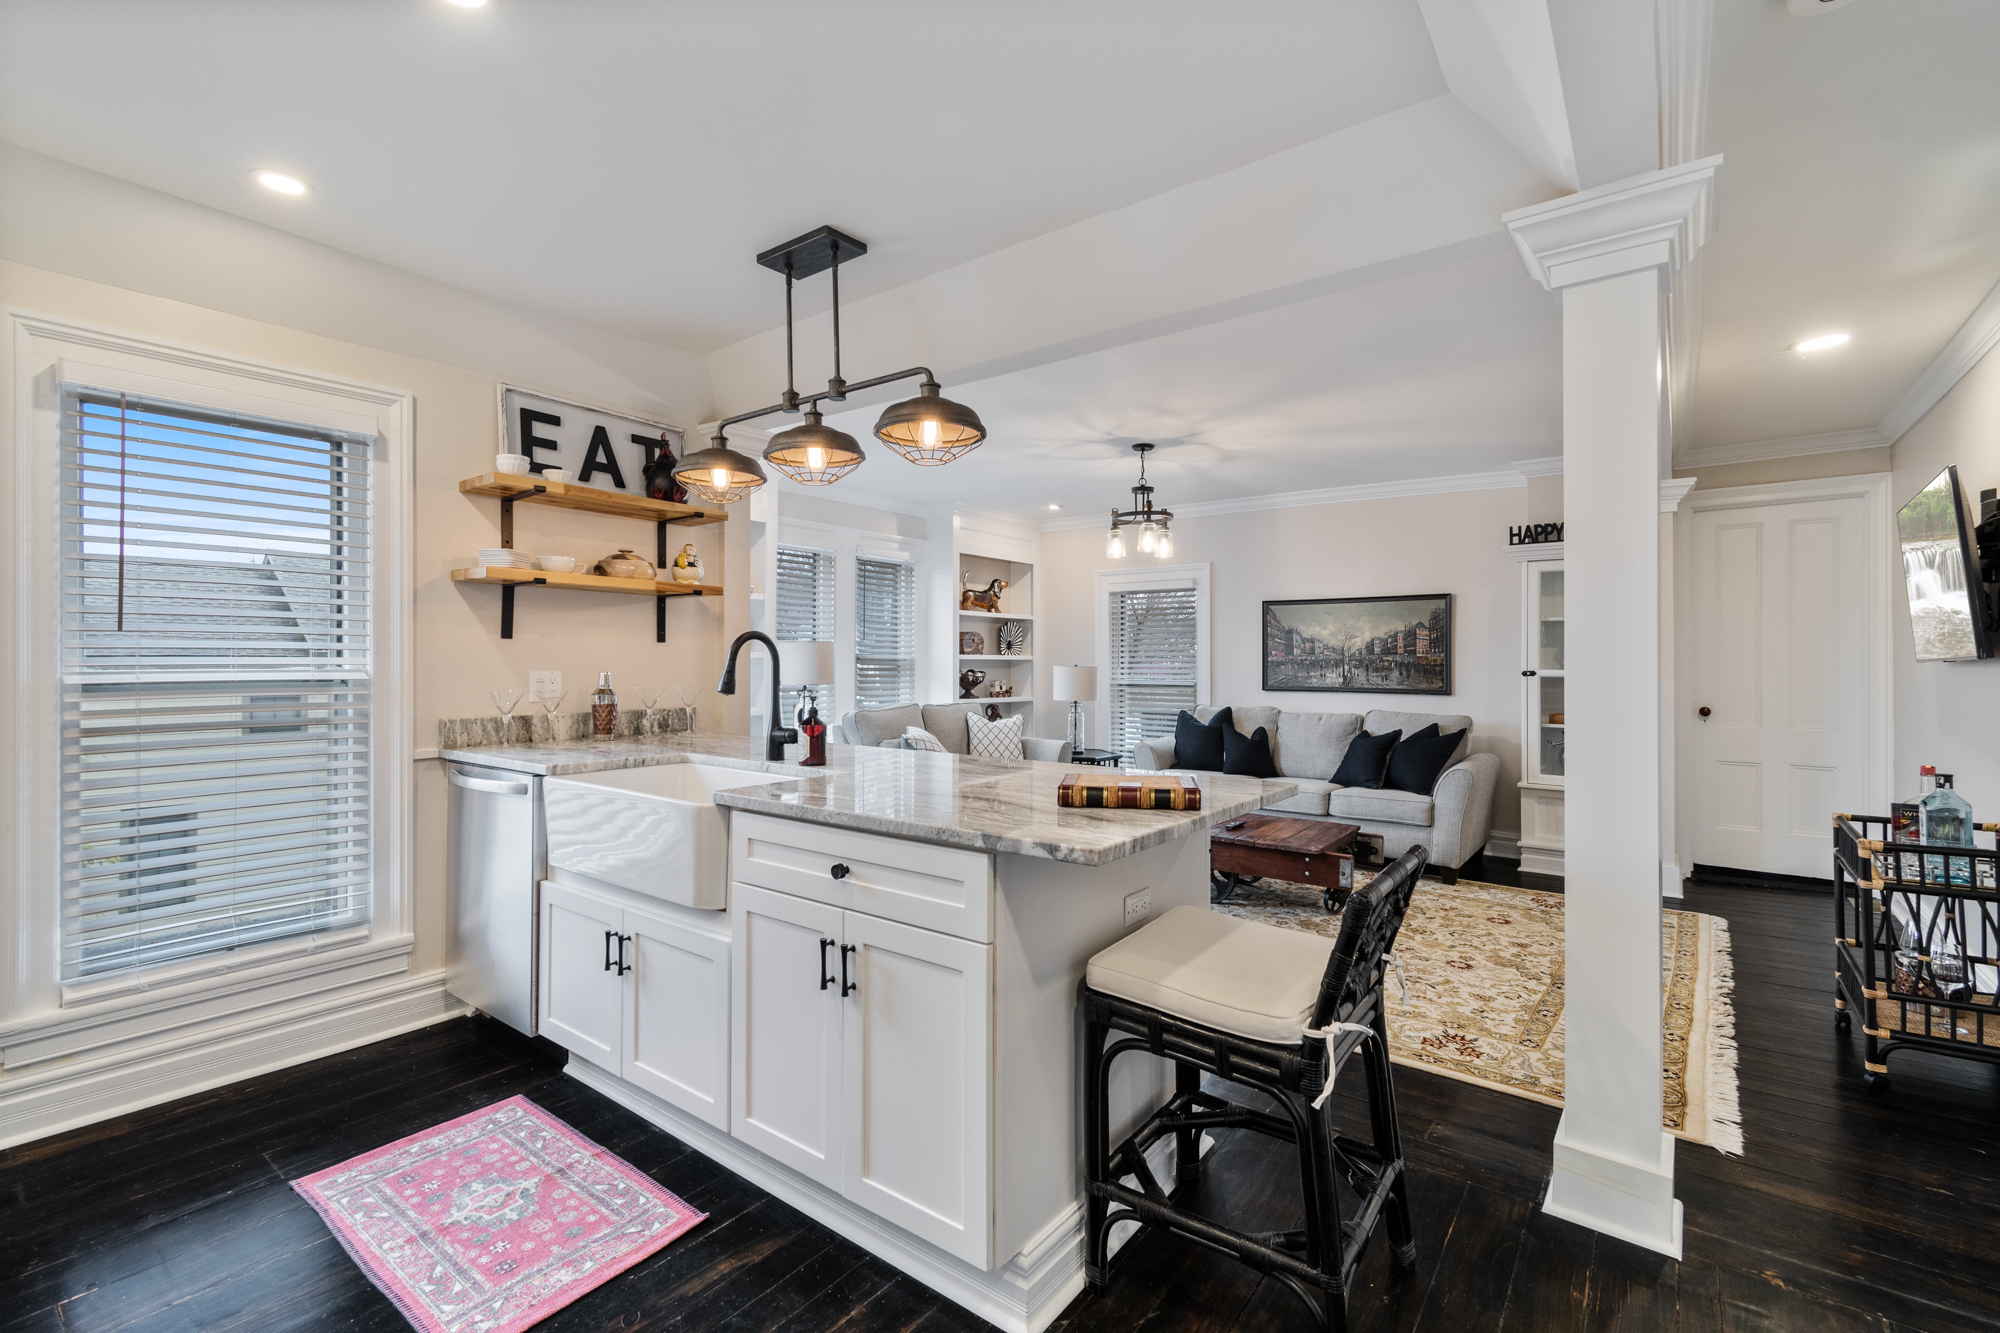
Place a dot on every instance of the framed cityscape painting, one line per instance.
(1365, 645)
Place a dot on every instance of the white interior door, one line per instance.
(677, 1015)
(916, 1095)
(582, 989)
(785, 1048)
(1781, 658)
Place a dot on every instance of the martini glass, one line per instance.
(651, 699)
(550, 706)
(506, 701)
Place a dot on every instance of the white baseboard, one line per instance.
(1504, 844)
(50, 1100)
(1023, 1295)
(1671, 881)
(1631, 1200)
(1542, 861)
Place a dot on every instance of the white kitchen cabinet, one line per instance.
(863, 1056)
(641, 994)
(785, 1029)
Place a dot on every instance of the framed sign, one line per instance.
(1362, 645)
(596, 447)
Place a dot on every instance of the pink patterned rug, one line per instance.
(492, 1222)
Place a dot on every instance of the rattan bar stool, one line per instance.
(1275, 1010)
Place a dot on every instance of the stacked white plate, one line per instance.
(500, 558)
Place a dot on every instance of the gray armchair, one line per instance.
(884, 727)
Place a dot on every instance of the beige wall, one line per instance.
(1948, 713)
(1455, 543)
(459, 655)
(1806, 467)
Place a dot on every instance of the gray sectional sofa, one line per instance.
(884, 726)
(1452, 821)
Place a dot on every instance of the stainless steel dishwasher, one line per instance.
(496, 859)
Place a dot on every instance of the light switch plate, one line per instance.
(1138, 905)
(544, 684)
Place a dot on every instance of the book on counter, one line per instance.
(1129, 791)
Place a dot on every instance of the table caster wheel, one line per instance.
(1876, 1082)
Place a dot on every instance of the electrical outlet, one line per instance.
(544, 684)
(1138, 905)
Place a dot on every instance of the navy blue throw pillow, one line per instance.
(1366, 760)
(1199, 744)
(1417, 761)
(1248, 756)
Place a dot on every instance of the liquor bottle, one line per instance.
(604, 707)
(1906, 825)
(813, 732)
(1947, 822)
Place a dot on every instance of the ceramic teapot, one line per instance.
(625, 565)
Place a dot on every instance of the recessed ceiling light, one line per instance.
(279, 181)
(1055, 506)
(1820, 344)
(469, 4)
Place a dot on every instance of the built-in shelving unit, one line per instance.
(1017, 600)
(510, 490)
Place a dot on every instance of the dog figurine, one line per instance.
(986, 599)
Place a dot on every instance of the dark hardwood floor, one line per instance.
(1849, 1210)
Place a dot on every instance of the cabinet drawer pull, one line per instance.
(825, 977)
(623, 966)
(840, 870)
(847, 987)
(608, 936)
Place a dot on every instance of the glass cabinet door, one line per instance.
(1546, 736)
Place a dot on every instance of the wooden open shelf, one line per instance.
(514, 578)
(565, 495)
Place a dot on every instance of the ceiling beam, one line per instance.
(1499, 58)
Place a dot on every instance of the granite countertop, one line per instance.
(987, 805)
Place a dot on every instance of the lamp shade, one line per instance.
(805, 662)
(814, 454)
(718, 474)
(929, 430)
(1075, 683)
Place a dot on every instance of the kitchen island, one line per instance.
(880, 1029)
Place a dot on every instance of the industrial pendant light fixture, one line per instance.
(1153, 536)
(928, 429)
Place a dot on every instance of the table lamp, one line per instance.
(1073, 685)
(804, 663)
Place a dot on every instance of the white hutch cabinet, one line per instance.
(1542, 717)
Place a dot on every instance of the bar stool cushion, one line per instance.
(1243, 977)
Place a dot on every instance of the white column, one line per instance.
(1609, 253)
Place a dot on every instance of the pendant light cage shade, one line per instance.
(930, 430)
(719, 475)
(814, 454)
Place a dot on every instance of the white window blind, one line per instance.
(804, 611)
(1154, 646)
(885, 632)
(216, 673)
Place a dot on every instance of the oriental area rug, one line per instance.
(1484, 964)
(491, 1222)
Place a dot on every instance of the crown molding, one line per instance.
(1380, 490)
(1792, 446)
(1657, 220)
(1673, 490)
(1974, 339)
(1538, 467)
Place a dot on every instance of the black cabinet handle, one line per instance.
(840, 871)
(847, 987)
(608, 964)
(1527, 673)
(623, 966)
(825, 977)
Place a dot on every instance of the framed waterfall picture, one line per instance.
(1362, 645)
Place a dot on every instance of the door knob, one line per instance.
(1703, 710)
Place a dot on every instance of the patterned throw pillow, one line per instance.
(994, 740)
(916, 738)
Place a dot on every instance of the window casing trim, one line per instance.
(1196, 576)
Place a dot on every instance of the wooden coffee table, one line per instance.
(1300, 851)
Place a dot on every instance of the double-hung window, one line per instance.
(804, 611)
(885, 632)
(217, 674)
(1154, 652)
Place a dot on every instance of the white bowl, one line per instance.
(514, 465)
(559, 564)
(561, 474)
